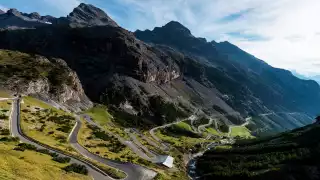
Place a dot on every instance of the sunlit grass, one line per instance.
(93, 144)
(241, 131)
(5, 104)
(5, 109)
(4, 94)
(184, 125)
(36, 102)
(99, 114)
(32, 121)
(30, 165)
(213, 131)
(182, 141)
(224, 147)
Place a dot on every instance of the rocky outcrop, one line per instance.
(49, 79)
(87, 15)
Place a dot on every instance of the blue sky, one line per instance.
(284, 33)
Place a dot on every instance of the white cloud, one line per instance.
(285, 33)
(3, 8)
(64, 6)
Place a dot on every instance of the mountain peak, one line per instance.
(226, 42)
(177, 26)
(35, 15)
(2, 12)
(14, 12)
(89, 15)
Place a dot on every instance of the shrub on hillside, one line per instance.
(3, 116)
(77, 168)
(19, 149)
(43, 151)
(61, 159)
(27, 146)
(65, 129)
(4, 132)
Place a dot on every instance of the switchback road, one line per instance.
(94, 171)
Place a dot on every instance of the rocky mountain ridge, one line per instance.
(166, 74)
(252, 86)
(82, 16)
(13, 19)
(89, 15)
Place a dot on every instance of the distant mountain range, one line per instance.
(82, 16)
(315, 78)
(298, 75)
(164, 74)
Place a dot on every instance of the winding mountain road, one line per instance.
(133, 172)
(203, 126)
(129, 144)
(248, 119)
(151, 155)
(16, 131)
(152, 131)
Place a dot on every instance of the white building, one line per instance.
(166, 161)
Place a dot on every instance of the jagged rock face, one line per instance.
(34, 15)
(101, 54)
(51, 80)
(176, 35)
(255, 87)
(13, 12)
(88, 15)
(13, 19)
(38, 86)
(108, 49)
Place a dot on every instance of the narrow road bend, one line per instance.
(16, 131)
(133, 171)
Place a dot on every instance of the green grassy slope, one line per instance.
(240, 131)
(27, 67)
(31, 165)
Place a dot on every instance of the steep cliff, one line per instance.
(48, 79)
(115, 68)
(250, 85)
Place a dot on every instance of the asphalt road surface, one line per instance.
(134, 148)
(133, 172)
(94, 172)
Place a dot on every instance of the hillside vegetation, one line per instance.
(48, 78)
(46, 124)
(291, 155)
(31, 165)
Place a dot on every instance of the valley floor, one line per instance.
(102, 136)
